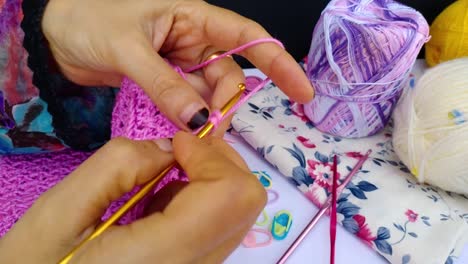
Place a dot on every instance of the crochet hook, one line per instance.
(322, 211)
(147, 187)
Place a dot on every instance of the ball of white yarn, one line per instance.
(428, 137)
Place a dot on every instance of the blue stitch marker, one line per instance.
(281, 225)
(264, 178)
(457, 117)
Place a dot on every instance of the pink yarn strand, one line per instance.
(235, 51)
(216, 117)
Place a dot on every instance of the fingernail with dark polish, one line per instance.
(198, 119)
(194, 115)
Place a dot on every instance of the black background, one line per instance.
(292, 21)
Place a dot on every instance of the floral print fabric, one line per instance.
(384, 206)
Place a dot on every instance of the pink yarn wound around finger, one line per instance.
(136, 117)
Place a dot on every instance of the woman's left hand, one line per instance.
(99, 42)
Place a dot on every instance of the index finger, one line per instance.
(228, 30)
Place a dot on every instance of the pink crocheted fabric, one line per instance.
(23, 178)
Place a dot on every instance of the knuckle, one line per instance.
(130, 159)
(140, 149)
(163, 87)
(213, 142)
(249, 29)
(210, 148)
(276, 59)
(255, 195)
(252, 198)
(186, 8)
(122, 148)
(201, 165)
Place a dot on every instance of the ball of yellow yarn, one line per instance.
(449, 33)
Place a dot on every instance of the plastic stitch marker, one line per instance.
(264, 178)
(274, 194)
(250, 240)
(281, 225)
(265, 220)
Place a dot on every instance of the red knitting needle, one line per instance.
(322, 211)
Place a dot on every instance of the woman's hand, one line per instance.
(204, 221)
(99, 42)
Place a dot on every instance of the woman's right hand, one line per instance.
(204, 221)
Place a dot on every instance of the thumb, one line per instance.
(222, 198)
(174, 96)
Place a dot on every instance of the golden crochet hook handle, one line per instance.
(150, 184)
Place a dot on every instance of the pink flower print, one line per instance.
(314, 193)
(412, 216)
(363, 232)
(298, 110)
(356, 155)
(321, 173)
(305, 142)
(287, 129)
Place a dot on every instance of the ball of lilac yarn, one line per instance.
(361, 53)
